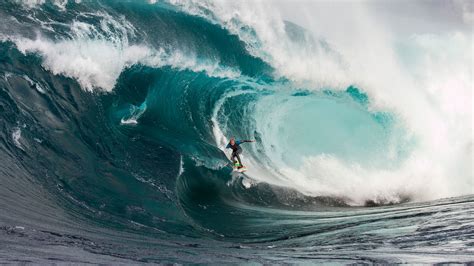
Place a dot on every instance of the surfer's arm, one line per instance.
(242, 141)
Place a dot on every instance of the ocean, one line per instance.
(115, 116)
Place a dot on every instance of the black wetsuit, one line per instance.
(236, 150)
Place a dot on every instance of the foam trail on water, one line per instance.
(16, 136)
(135, 114)
(61, 4)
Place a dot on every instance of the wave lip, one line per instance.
(98, 64)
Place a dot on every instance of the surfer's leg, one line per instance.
(239, 151)
(232, 157)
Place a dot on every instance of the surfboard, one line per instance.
(240, 170)
(236, 168)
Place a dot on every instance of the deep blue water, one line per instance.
(132, 171)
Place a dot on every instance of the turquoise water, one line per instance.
(98, 168)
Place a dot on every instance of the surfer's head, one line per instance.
(232, 141)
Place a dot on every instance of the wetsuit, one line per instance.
(236, 150)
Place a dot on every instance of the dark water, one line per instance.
(129, 171)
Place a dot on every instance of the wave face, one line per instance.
(115, 116)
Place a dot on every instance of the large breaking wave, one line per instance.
(121, 111)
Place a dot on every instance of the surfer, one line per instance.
(236, 150)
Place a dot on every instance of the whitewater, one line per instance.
(116, 115)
